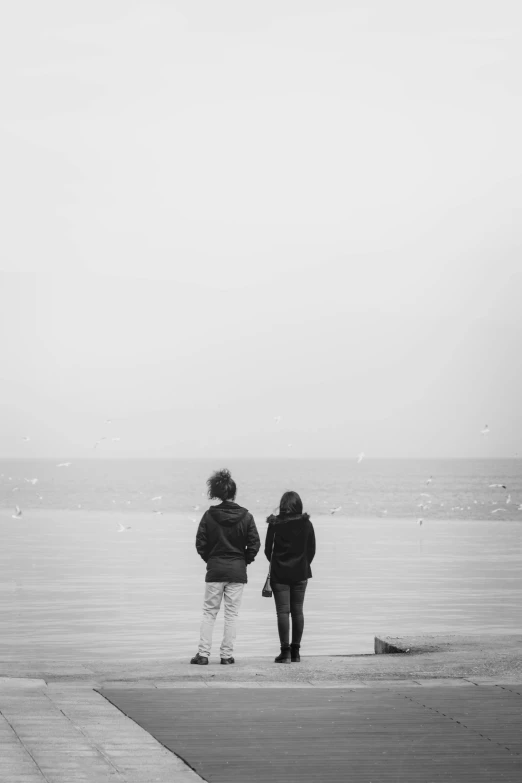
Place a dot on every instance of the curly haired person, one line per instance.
(228, 541)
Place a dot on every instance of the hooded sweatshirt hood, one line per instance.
(228, 513)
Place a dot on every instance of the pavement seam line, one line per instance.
(24, 746)
(89, 739)
(508, 689)
(469, 728)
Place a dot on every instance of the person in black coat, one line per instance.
(291, 536)
(228, 541)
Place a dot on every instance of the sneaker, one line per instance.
(199, 659)
(227, 660)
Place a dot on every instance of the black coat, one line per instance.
(294, 548)
(227, 540)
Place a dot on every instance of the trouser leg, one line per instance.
(297, 596)
(282, 601)
(233, 594)
(211, 604)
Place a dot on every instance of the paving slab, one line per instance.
(54, 726)
(300, 735)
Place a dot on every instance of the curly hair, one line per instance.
(221, 485)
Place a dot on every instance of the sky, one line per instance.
(216, 214)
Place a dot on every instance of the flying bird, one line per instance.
(502, 486)
(520, 507)
(156, 511)
(115, 439)
(15, 489)
(360, 457)
(99, 441)
(429, 481)
(122, 528)
(420, 521)
(63, 464)
(108, 421)
(158, 497)
(485, 431)
(32, 481)
(333, 510)
(18, 513)
(425, 495)
(26, 438)
(196, 508)
(277, 419)
(494, 511)
(508, 499)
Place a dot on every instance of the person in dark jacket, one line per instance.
(228, 541)
(292, 537)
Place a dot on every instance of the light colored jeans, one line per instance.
(214, 592)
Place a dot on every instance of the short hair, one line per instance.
(290, 504)
(221, 485)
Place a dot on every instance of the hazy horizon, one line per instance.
(216, 215)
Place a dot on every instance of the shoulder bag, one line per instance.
(267, 590)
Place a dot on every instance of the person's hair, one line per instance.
(290, 504)
(221, 485)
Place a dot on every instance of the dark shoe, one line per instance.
(227, 660)
(285, 655)
(199, 659)
(295, 653)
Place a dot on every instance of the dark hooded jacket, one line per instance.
(228, 541)
(293, 538)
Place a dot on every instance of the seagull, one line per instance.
(520, 507)
(360, 457)
(508, 499)
(99, 441)
(277, 419)
(115, 439)
(108, 421)
(196, 508)
(158, 497)
(63, 464)
(32, 481)
(333, 510)
(26, 438)
(494, 511)
(485, 431)
(420, 521)
(15, 489)
(425, 495)
(193, 519)
(18, 513)
(40, 497)
(429, 481)
(385, 511)
(502, 486)
(122, 528)
(156, 511)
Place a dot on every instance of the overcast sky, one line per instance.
(215, 213)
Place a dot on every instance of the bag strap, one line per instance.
(271, 555)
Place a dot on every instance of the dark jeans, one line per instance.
(289, 600)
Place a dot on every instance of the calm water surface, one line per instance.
(72, 587)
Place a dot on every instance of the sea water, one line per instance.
(73, 587)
